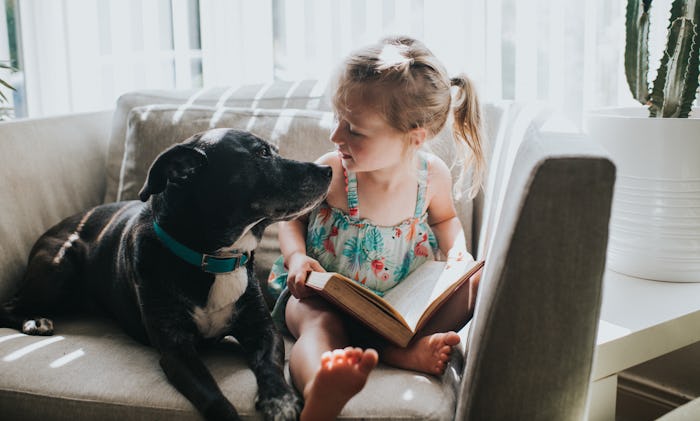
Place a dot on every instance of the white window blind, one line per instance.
(81, 55)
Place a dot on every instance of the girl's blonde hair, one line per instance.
(415, 92)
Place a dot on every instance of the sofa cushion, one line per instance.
(91, 370)
(300, 134)
(306, 94)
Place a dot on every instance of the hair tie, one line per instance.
(394, 56)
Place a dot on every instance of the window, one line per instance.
(80, 55)
(9, 55)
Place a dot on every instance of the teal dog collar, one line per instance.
(207, 262)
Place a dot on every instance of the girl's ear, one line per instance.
(417, 136)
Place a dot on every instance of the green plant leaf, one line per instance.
(672, 80)
(678, 72)
(692, 79)
(637, 48)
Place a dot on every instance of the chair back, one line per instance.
(531, 341)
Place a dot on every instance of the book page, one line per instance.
(413, 295)
(454, 269)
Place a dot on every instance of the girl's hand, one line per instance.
(299, 265)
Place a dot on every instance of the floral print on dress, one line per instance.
(375, 256)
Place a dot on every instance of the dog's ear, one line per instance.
(176, 165)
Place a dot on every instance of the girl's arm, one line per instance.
(292, 238)
(442, 215)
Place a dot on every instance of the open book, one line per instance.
(404, 309)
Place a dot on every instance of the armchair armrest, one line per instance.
(532, 338)
(50, 168)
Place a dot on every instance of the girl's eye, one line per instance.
(353, 132)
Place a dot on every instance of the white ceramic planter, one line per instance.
(655, 222)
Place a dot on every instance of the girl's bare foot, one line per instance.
(428, 354)
(342, 375)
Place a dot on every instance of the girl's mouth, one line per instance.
(344, 155)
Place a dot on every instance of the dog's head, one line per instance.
(234, 177)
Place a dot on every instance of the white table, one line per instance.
(640, 320)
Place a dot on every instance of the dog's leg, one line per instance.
(49, 285)
(173, 335)
(264, 349)
(186, 371)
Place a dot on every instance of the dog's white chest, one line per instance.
(216, 316)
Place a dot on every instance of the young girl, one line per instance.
(389, 209)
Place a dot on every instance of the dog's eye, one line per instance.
(264, 153)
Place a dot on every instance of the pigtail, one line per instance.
(467, 128)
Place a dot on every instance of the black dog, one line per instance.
(178, 270)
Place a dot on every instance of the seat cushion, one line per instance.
(92, 370)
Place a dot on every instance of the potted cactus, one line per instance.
(655, 223)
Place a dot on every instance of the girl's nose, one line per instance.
(336, 134)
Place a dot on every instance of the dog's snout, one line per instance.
(327, 170)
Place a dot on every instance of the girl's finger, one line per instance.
(315, 266)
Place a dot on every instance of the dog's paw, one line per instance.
(38, 327)
(284, 408)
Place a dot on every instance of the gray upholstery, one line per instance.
(541, 224)
(532, 338)
(49, 169)
(307, 94)
(299, 134)
(115, 378)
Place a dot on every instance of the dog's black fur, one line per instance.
(214, 192)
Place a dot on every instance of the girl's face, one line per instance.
(365, 141)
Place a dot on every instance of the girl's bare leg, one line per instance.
(430, 349)
(322, 366)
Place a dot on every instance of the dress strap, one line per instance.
(422, 185)
(353, 198)
(354, 201)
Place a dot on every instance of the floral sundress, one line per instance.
(375, 256)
